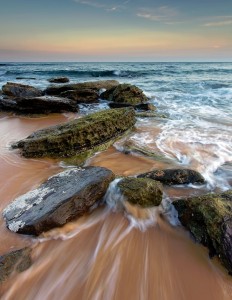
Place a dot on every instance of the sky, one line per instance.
(115, 30)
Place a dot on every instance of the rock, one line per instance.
(16, 90)
(150, 114)
(60, 199)
(82, 96)
(141, 191)
(94, 86)
(143, 106)
(59, 80)
(28, 78)
(38, 105)
(15, 261)
(125, 93)
(209, 219)
(77, 136)
(174, 176)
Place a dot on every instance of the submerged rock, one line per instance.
(174, 176)
(38, 105)
(209, 219)
(60, 199)
(125, 93)
(143, 106)
(93, 85)
(141, 191)
(16, 90)
(15, 261)
(82, 96)
(59, 80)
(78, 136)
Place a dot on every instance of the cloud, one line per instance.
(163, 14)
(219, 21)
(218, 24)
(105, 6)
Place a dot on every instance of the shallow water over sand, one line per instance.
(103, 255)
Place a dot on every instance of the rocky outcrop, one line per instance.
(16, 90)
(125, 93)
(60, 199)
(38, 105)
(59, 80)
(143, 106)
(150, 114)
(76, 137)
(15, 261)
(174, 176)
(82, 96)
(94, 86)
(141, 191)
(209, 219)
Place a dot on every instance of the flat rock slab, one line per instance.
(75, 137)
(174, 176)
(92, 85)
(59, 80)
(39, 105)
(16, 90)
(141, 191)
(82, 96)
(209, 219)
(15, 261)
(60, 199)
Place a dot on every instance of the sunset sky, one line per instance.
(114, 30)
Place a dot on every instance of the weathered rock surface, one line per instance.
(15, 261)
(38, 105)
(93, 85)
(209, 218)
(143, 106)
(16, 90)
(82, 96)
(174, 176)
(60, 199)
(150, 114)
(141, 191)
(77, 136)
(125, 93)
(59, 80)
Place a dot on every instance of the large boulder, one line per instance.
(59, 80)
(77, 136)
(38, 105)
(174, 176)
(209, 219)
(15, 261)
(141, 191)
(82, 96)
(93, 85)
(125, 93)
(60, 199)
(16, 90)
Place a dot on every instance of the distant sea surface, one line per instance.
(196, 97)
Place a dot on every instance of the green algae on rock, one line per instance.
(141, 191)
(125, 93)
(77, 136)
(209, 219)
(15, 261)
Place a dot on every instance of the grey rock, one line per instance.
(60, 199)
(16, 90)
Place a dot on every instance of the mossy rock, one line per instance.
(75, 137)
(125, 93)
(209, 219)
(143, 192)
(15, 261)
